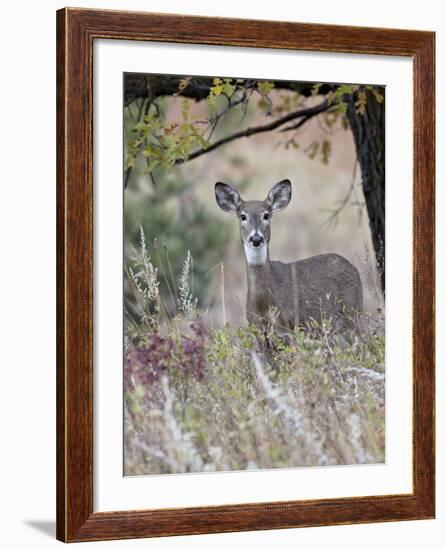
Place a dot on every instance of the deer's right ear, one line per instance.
(227, 197)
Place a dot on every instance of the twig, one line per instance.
(222, 273)
(332, 219)
(216, 119)
(305, 114)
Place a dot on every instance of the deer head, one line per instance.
(254, 216)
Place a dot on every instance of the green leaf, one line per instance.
(341, 108)
(214, 92)
(184, 83)
(325, 151)
(264, 87)
(344, 89)
(361, 102)
(185, 109)
(217, 88)
(291, 143)
(378, 96)
(315, 88)
(314, 148)
(228, 88)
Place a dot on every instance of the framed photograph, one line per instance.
(245, 275)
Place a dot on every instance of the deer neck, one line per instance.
(257, 265)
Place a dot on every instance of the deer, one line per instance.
(302, 293)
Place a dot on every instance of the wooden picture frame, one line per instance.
(76, 31)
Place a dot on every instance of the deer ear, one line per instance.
(279, 196)
(227, 197)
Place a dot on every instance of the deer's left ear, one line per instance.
(279, 196)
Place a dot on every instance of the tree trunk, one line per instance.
(369, 136)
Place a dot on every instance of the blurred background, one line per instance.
(175, 204)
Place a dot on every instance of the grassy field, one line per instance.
(202, 399)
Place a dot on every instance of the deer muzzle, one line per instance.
(256, 240)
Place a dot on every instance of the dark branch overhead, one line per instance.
(151, 86)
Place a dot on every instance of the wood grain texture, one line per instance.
(76, 31)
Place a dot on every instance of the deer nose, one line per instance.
(256, 240)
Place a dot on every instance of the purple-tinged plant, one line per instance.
(146, 360)
(194, 351)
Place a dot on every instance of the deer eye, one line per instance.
(243, 217)
(266, 216)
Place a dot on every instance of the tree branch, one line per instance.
(304, 114)
(332, 219)
(153, 86)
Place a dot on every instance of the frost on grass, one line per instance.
(200, 399)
